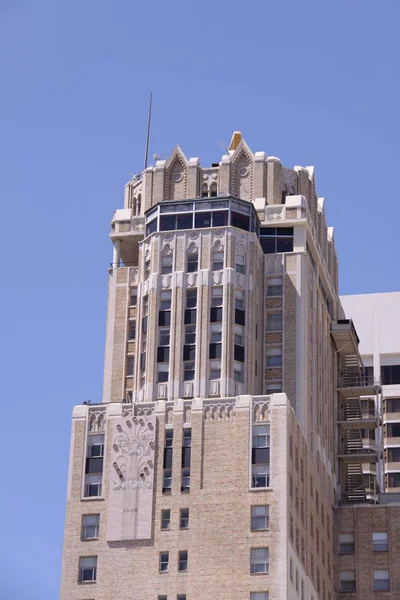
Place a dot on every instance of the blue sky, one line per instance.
(310, 82)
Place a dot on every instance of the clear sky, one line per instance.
(312, 82)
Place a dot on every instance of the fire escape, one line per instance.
(358, 419)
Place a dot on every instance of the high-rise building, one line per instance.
(237, 414)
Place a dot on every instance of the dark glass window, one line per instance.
(393, 454)
(129, 367)
(162, 376)
(144, 325)
(239, 353)
(167, 458)
(394, 480)
(164, 317)
(192, 263)
(215, 351)
(167, 222)
(189, 352)
(132, 330)
(276, 239)
(188, 373)
(390, 375)
(151, 227)
(184, 221)
(260, 456)
(184, 518)
(216, 315)
(191, 298)
(202, 219)
(187, 437)
(392, 405)
(186, 457)
(163, 354)
(240, 221)
(190, 316)
(393, 430)
(239, 316)
(220, 218)
(94, 465)
(169, 436)
(143, 361)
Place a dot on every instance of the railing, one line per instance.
(353, 414)
(346, 451)
(296, 207)
(349, 381)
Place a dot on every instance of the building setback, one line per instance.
(238, 440)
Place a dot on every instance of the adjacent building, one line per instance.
(237, 414)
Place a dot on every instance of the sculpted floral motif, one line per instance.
(134, 447)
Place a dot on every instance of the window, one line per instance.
(167, 481)
(188, 371)
(380, 542)
(239, 299)
(167, 461)
(90, 527)
(218, 261)
(185, 480)
(215, 351)
(291, 569)
(165, 518)
(347, 581)
(132, 330)
(259, 596)
(346, 543)
(274, 287)
(192, 262)
(260, 517)
(147, 269)
(274, 321)
(165, 300)
(238, 369)
(164, 562)
(96, 446)
(184, 518)
(393, 405)
(259, 560)
(261, 436)
(297, 580)
(273, 388)
(213, 191)
(163, 354)
(133, 297)
(274, 357)
(87, 568)
(162, 597)
(216, 333)
(393, 455)
(216, 305)
(163, 372)
(393, 429)
(190, 334)
(260, 455)
(166, 265)
(93, 485)
(215, 369)
(191, 298)
(390, 375)
(181, 597)
(260, 476)
(240, 263)
(183, 560)
(381, 581)
(276, 239)
(239, 335)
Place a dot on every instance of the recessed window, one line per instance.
(164, 336)
(96, 446)
(240, 263)
(191, 298)
(133, 297)
(164, 562)
(162, 597)
(259, 560)
(87, 569)
(215, 351)
(274, 321)
(380, 542)
(393, 454)
(239, 335)
(163, 372)
(167, 481)
(239, 299)
(274, 287)
(90, 527)
(181, 597)
(381, 581)
(188, 371)
(390, 375)
(276, 239)
(216, 333)
(184, 518)
(347, 581)
(132, 330)
(261, 436)
(238, 370)
(183, 560)
(165, 518)
(192, 262)
(274, 357)
(346, 543)
(93, 485)
(260, 476)
(273, 388)
(260, 517)
(163, 354)
(218, 261)
(185, 487)
(165, 300)
(166, 265)
(215, 369)
(392, 405)
(259, 595)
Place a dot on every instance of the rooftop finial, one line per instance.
(235, 141)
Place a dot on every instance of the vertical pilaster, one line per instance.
(274, 180)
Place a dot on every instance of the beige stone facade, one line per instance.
(226, 346)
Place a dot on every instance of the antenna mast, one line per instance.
(148, 133)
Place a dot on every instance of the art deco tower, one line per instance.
(222, 444)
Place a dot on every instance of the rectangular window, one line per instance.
(381, 581)
(188, 371)
(165, 518)
(238, 353)
(191, 298)
(96, 446)
(133, 297)
(393, 455)
(273, 388)
(185, 487)
(240, 316)
(390, 375)
(216, 315)
(259, 595)
(218, 261)
(192, 262)
(393, 429)
(261, 436)
(87, 568)
(215, 369)
(346, 543)
(240, 263)
(165, 300)
(163, 354)
(164, 318)
(260, 517)
(239, 335)
(239, 299)
(347, 581)
(163, 372)
(276, 239)
(216, 333)
(238, 369)
(380, 542)
(166, 265)
(164, 562)
(274, 287)
(181, 597)
(167, 481)
(162, 597)
(190, 316)
(274, 321)
(260, 476)
(259, 560)
(93, 485)
(393, 405)
(183, 560)
(132, 330)
(190, 334)
(274, 357)
(184, 518)
(146, 269)
(215, 351)
(164, 336)
(90, 527)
